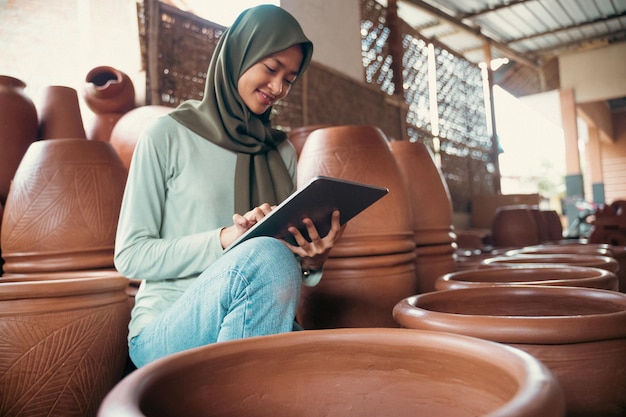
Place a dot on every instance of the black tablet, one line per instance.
(317, 200)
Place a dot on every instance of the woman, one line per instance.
(194, 168)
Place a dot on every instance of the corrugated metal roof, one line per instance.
(526, 31)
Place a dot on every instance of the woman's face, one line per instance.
(270, 79)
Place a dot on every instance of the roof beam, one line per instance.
(505, 49)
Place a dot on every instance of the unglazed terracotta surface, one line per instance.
(62, 344)
(18, 118)
(594, 261)
(353, 372)
(579, 333)
(59, 114)
(514, 226)
(299, 135)
(63, 207)
(431, 217)
(109, 93)
(127, 129)
(554, 275)
(380, 238)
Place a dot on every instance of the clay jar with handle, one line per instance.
(59, 114)
(373, 264)
(109, 93)
(555, 275)
(347, 372)
(19, 125)
(431, 211)
(63, 344)
(62, 210)
(578, 333)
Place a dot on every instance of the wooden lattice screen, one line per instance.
(462, 141)
(177, 47)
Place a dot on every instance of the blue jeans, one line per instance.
(253, 290)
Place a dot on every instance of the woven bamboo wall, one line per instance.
(177, 46)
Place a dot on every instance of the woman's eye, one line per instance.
(270, 69)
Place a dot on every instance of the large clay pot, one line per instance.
(63, 207)
(19, 124)
(63, 344)
(555, 248)
(359, 372)
(514, 226)
(299, 135)
(555, 275)
(594, 261)
(109, 93)
(379, 238)
(554, 227)
(59, 114)
(126, 131)
(431, 217)
(579, 333)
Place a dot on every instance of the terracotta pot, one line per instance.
(63, 207)
(514, 226)
(63, 344)
(554, 227)
(360, 153)
(552, 249)
(299, 135)
(594, 261)
(109, 93)
(365, 372)
(59, 114)
(432, 216)
(127, 129)
(431, 262)
(1, 259)
(579, 333)
(555, 275)
(108, 90)
(18, 118)
(357, 292)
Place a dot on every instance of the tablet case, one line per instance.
(317, 199)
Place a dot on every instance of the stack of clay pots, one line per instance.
(524, 225)
(431, 212)
(373, 265)
(64, 310)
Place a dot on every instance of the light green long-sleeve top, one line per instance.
(179, 195)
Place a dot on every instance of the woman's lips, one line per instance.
(267, 100)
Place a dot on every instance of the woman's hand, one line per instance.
(313, 254)
(241, 223)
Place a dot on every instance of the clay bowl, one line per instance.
(63, 344)
(578, 333)
(551, 249)
(594, 261)
(554, 275)
(359, 372)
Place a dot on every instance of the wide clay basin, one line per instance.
(575, 259)
(578, 333)
(554, 275)
(341, 372)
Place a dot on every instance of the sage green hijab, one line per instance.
(223, 118)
